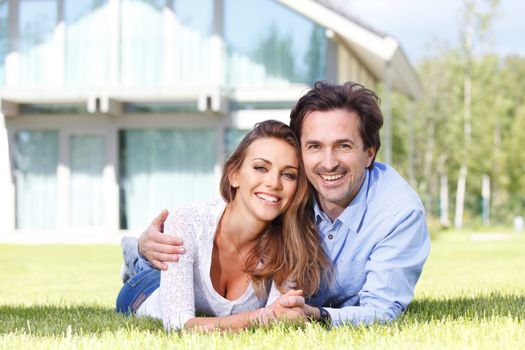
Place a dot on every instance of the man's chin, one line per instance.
(333, 198)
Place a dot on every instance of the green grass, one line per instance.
(471, 295)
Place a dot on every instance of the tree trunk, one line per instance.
(460, 196)
(443, 202)
(467, 116)
(485, 195)
(424, 188)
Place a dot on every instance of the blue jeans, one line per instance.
(138, 288)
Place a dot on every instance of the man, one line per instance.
(372, 224)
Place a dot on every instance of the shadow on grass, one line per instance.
(53, 320)
(475, 307)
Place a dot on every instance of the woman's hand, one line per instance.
(288, 307)
(292, 301)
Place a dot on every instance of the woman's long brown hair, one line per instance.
(290, 248)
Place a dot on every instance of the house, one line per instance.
(114, 109)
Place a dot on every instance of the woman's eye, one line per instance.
(290, 176)
(260, 168)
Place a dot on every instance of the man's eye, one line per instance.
(313, 147)
(345, 146)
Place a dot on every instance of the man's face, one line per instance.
(334, 157)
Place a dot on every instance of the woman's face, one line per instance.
(267, 179)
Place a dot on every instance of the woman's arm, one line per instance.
(272, 313)
(177, 295)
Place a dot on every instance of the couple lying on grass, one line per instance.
(350, 248)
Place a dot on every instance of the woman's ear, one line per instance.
(233, 179)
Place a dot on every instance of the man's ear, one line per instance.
(370, 152)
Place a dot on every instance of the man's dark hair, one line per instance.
(349, 96)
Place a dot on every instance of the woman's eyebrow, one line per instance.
(268, 162)
(262, 159)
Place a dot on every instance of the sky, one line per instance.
(422, 26)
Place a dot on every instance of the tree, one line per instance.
(476, 25)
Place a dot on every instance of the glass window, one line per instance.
(191, 49)
(161, 107)
(232, 138)
(269, 44)
(36, 25)
(87, 42)
(141, 42)
(39, 109)
(164, 169)
(36, 160)
(87, 158)
(196, 15)
(254, 105)
(4, 36)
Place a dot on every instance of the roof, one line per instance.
(380, 53)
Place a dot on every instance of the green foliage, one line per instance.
(498, 134)
(442, 118)
(471, 295)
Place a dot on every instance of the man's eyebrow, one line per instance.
(338, 141)
(345, 141)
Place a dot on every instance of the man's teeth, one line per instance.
(267, 197)
(332, 177)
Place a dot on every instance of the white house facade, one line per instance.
(114, 109)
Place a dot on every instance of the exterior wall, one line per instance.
(351, 69)
(109, 127)
(270, 88)
(7, 200)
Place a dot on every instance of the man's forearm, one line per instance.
(358, 315)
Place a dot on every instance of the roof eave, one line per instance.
(381, 55)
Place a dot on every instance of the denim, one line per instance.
(137, 289)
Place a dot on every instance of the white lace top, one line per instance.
(186, 288)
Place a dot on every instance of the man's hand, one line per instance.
(280, 311)
(295, 300)
(158, 248)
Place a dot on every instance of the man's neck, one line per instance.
(332, 210)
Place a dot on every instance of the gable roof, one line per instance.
(380, 53)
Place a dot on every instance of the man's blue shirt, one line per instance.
(378, 246)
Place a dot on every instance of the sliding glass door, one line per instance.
(36, 160)
(87, 155)
(164, 168)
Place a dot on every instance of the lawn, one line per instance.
(471, 295)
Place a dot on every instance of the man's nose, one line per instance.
(329, 161)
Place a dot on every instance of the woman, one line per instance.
(260, 235)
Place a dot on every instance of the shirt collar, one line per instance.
(353, 214)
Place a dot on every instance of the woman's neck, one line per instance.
(240, 229)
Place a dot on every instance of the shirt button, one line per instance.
(330, 236)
